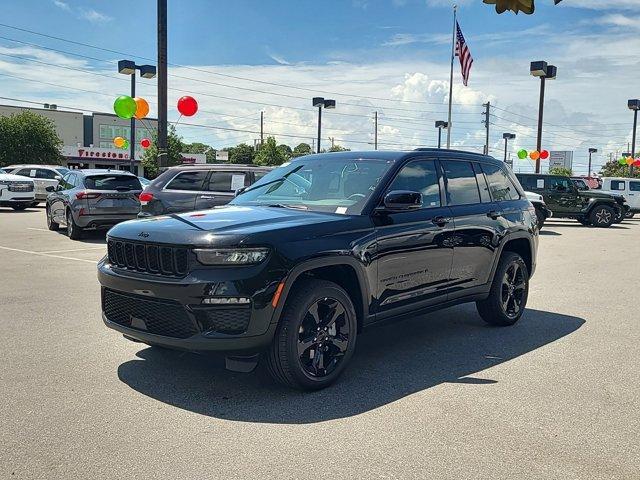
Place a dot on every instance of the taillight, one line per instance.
(145, 197)
(86, 195)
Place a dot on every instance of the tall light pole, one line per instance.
(591, 152)
(544, 71)
(440, 124)
(507, 137)
(129, 67)
(163, 159)
(635, 106)
(322, 103)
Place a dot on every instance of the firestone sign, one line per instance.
(95, 152)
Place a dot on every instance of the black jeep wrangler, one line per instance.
(298, 264)
(566, 200)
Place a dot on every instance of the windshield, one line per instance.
(112, 182)
(326, 184)
(62, 171)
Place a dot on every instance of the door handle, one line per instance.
(494, 214)
(440, 220)
(207, 197)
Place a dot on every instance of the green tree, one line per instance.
(286, 151)
(614, 169)
(565, 172)
(198, 147)
(27, 137)
(339, 148)
(242, 153)
(269, 154)
(301, 149)
(175, 147)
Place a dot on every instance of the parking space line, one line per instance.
(74, 250)
(47, 255)
(38, 229)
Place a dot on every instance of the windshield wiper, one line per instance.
(282, 205)
(281, 179)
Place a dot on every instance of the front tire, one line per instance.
(509, 292)
(19, 207)
(74, 232)
(51, 225)
(602, 216)
(316, 336)
(540, 217)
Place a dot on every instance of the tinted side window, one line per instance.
(617, 185)
(634, 186)
(500, 185)
(258, 175)
(483, 186)
(460, 183)
(46, 173)
(26, 172)
(419, 176)
(225, 181)
(531, 183)
(68, 181)
(558, 183)
(187, 181)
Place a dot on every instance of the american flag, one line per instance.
(462, 51)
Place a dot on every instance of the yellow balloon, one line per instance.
(118, 142)
(142, 108)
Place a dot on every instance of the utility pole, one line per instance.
(261, 128)
(333, 141)
(313, 144)
(132, 145)
(162, 84)
(375, 131)
(486, 125)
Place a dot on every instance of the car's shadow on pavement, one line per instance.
(550, 233)
(578, 225)
(391, 362)
(98, 237)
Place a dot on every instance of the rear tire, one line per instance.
(509, 292)
(315, 338)
(51, 225)
(19, 207)
(629, 215)
(74, 232)
(602, 216)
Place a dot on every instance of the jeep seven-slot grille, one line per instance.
(160, 317)
(148, 258)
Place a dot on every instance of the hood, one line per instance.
(224, 225)
(597, 194)
(9, 177)
(533, 197)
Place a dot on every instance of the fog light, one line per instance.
(227, 301)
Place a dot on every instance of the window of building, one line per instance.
(419, 176)
(460, 183)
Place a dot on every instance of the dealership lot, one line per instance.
(439, 396)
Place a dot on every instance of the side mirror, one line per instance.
(58, 177)
(50, 188)
(59, 188)
(402, 200)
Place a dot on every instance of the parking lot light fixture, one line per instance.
(507, 137)
(635, 106)
(440, 124)
(129, 67)
(321, 103)
(545, 72)
(591, 152)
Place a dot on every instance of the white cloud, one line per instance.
(94, 16)
(448, 3)
(603, 4)
(62, 5)
(619, 20)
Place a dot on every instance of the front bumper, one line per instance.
(168, 311)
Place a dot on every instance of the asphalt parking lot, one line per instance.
(438, 396)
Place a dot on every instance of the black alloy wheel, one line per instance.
(323, 337)
(602, 216)
(513, 289)
(316, 336)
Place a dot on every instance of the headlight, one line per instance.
(232, 256)
(5, 182)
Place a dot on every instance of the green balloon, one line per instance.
(125, 106)
(522, 154)
(622, 161)
(126, 144)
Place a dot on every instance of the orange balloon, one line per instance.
(142, 108)
(535, 155)
(629, 161)
(118, 142)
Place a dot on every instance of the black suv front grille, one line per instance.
(148, 258)
(160, 317)
(229, 320)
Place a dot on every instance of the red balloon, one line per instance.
(544, 154)
(187, 106)
(636, 163)
(145, 143)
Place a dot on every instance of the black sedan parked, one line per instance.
(197, 187)
(92, 200)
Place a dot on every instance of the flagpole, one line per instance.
(453, 49)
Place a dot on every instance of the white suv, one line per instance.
(16, 192)
(43, 176)
(628, 187)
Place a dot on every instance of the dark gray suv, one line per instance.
(197, 187)
(92, 200)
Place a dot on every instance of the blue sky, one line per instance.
(389, 56)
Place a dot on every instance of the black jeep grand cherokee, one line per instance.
(320, 248)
